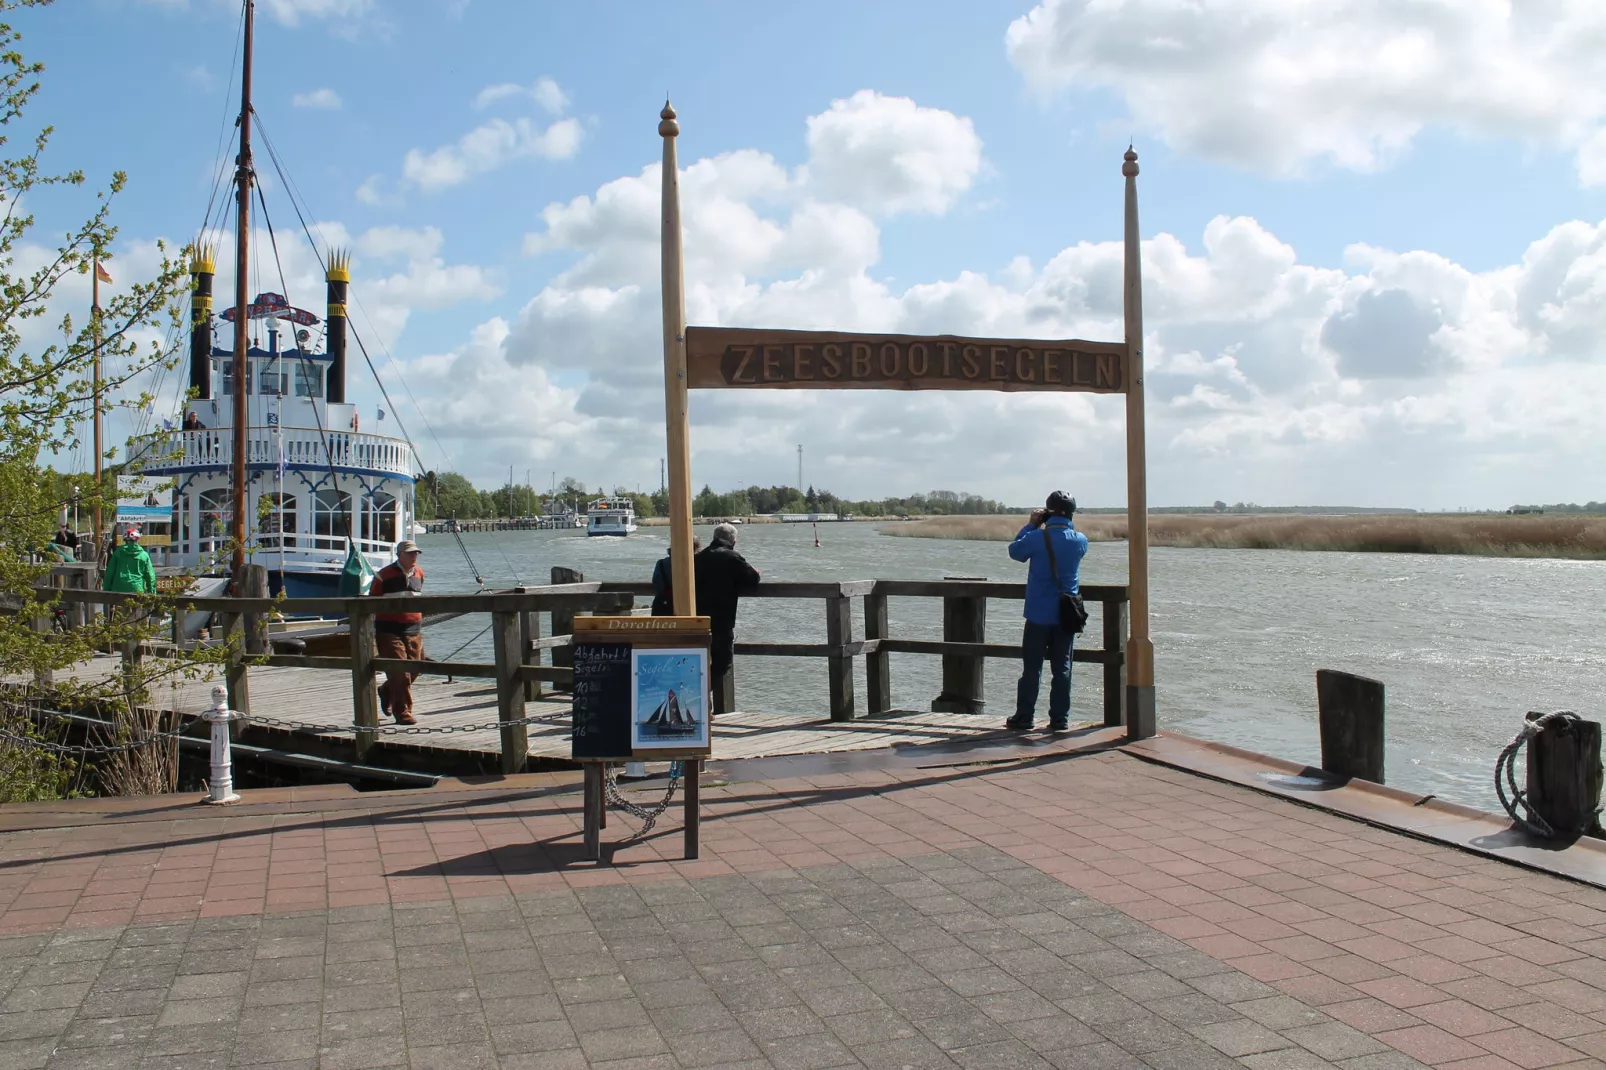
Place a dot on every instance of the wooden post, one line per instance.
(529, 654)
(1114, 619)
(43, 624)
(877, 664)
(253, 583)
(234, 674)
(364, 697)
(510, 690)
(1350, 709)
(964, 620)
(563, 623)
(1140, 713)
(592, 810)
(677, 421)
(693, 807)
(1564, 775)
(838, 633)
(725, 693)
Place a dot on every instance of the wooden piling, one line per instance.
(1350, 709)
(839, 665)
(509, 691)
(877, 663)
(563, 623)
(964, 620)
(1114, 621)
(529, 653)
(1564, 775)
(364, 696)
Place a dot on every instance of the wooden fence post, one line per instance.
(1350, 709)
(529, 654)
(563, 623)
(964, 620)
(510, 690)
(1564, 774)
(839, 665)
(254, 584)
(878, 663)
(364, 697)
(1114, 614)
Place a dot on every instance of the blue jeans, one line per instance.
(1055, 643)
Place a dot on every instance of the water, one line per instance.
(1465, 645)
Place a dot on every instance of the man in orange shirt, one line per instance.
(397, 634)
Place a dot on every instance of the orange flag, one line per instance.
(101, 273)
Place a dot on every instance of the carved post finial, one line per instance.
(1130, 167)
(668, 128)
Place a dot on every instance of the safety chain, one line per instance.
(402, 730)
(89, 748)
(647, 815)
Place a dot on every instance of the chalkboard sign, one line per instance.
(602, 687)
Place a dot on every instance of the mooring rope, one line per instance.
(1515, 799)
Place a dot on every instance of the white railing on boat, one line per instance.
(175, 450)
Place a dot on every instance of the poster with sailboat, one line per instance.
(669, 702)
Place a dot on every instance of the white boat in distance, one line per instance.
(611, 516)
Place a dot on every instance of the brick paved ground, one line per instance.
(1096, 912)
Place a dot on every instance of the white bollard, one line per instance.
(221, 786)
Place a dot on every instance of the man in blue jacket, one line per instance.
(1044, 636)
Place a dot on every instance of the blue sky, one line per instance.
(949, 141)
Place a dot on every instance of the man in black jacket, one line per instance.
(722, 575)
(663, 583)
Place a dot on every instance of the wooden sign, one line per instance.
(640, 688)
(739, 357)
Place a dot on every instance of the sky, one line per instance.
(1374, 235)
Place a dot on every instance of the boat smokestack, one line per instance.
(338, 277)
(202, 267)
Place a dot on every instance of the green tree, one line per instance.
(47, 391)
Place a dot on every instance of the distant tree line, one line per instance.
(1568, 507)
(448, 494)
(756, 500)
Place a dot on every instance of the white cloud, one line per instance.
(324, 99)
(1275, 85)
(291, 12)
(488, 147)
(545, 92)
(890, 155)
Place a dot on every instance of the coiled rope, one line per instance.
(1514, 799)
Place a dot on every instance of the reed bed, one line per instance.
(1578, 537)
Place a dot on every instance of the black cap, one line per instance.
(1060, 503)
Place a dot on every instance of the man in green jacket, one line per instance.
(129, 567)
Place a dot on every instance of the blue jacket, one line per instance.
(1042, 592)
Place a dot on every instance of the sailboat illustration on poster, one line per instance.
(669, 707)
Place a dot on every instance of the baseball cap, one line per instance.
(407, 546)
(131, 533)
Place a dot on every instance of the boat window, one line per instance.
(309, 379)
(279, 516)
(228, 377)
(379, 518)
(214, 507)
(274, 379)
(330, 509)
(181, 519)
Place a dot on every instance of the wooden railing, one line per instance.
(517, 642)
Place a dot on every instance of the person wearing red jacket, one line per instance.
(398, 634)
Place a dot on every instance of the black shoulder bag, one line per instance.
(1073, 611)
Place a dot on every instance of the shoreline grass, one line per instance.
(1571, 537)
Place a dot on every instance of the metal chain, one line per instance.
(89, 748)
(648, 816)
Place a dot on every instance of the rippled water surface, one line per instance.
(1465, 645)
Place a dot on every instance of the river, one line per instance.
(1465, 645)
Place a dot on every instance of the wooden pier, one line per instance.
(512, 714)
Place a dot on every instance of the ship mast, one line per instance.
(242, 378)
